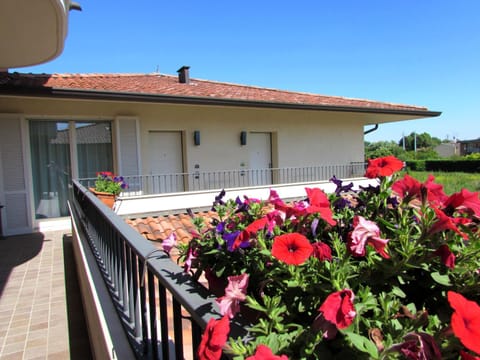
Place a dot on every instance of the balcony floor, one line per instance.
(41, 314)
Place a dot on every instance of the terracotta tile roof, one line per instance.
(160, 227)
(159, 84)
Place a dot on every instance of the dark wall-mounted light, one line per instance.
(243, 138)
(196, 137)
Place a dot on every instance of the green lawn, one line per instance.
(452, 181)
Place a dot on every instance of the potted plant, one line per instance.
(389, 271)
(108, 186)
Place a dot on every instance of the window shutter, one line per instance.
(16, 217)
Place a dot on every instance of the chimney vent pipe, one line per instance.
(183, 75)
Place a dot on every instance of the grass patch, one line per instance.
(452, 181)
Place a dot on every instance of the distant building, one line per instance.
(468, 147)
(448, 149)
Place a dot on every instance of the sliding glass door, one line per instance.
(94, 148)
(60, 151)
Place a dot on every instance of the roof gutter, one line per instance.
(196, 100)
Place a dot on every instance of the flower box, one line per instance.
(389, 271)
(106, 198)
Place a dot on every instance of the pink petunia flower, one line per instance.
(365, 233)
(235, 292)
(187, 266)
(169, 243)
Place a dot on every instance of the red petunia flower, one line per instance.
(408, 187)
(213, 339)
(464, 201)
(250, 231)
(268, 222)
(446, 255)
(435, 194)
(465, 320)
(319, 203)
(105, 173)
(445, 222)
(384, 166)
(365, 232)
(263, 352)
(338, 308)
(322, 251)
(292, 249)
(466, 356)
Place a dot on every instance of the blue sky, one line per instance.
(405, 51)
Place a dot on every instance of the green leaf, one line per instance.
(397, 291)
(441, 279)
(363, 344)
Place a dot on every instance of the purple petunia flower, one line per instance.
(341, 188)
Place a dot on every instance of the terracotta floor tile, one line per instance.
(40, 326)
(37, 357)
(41, 341)
(62, 355)
(35, 334)
(13, 348)
(12, 356)
(18, 329)
(35, 352)
(16, 338)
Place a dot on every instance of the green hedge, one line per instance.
(469, 166)
(416, 165)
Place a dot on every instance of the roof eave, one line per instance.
(196, 100)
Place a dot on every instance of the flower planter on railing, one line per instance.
(106, 198)
(107, 187)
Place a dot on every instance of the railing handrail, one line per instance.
(191, 295)
(147, 184)
(355, 163)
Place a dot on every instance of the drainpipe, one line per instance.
(371, 130)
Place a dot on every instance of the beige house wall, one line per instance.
(299, 137)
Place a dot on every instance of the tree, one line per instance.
(423, 140)
(381, 149)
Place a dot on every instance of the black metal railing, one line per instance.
(228, 179)
(163, 310)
